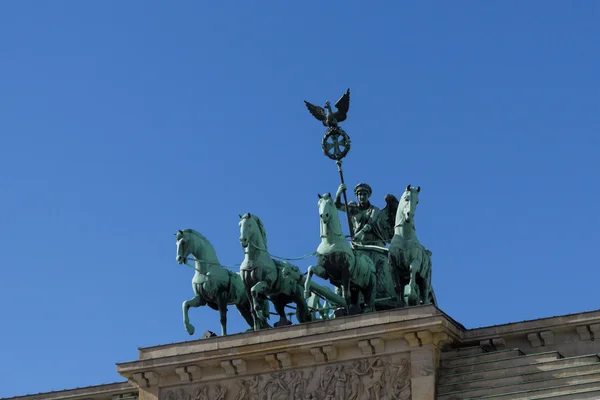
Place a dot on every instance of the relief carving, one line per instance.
(425, 371)
(366, 379)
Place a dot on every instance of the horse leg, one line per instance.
(369, 293)
(256, 292)
(316, 270)
(432, 298)
(196, 301)
(423, 290)
(410, 290)
(396, 266)
(401, 282)
(249, 303)
(254, 322)
(430, 293)
(244, 310)
(355, 295)
(427, 283)
(302, 311)
(279, 303)
(222, 304)
(351, 307)
(404, 278)
(242, 304)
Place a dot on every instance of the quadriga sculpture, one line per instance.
(213, 285)
(263, 276)
(337, 262)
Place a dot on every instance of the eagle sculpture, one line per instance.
(326, 115)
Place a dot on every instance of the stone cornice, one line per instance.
(275, 349)
(291, 332)
(542, 325)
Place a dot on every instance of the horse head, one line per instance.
(331, 226)
(183, 247)
(408, 205)
(326, 207)
(191, 242)
(252, 231)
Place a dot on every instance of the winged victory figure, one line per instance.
(386, 221)
(326, 115)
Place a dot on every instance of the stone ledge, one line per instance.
(339, 340)
(316, 328)
(550, 324)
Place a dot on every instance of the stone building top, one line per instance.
(557, 323)
(304, 334)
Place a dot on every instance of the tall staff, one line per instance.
(336, 142)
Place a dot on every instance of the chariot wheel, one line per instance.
(336, 143)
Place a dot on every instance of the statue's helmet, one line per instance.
(363, 186)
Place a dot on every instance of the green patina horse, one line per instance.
(410, 261)
(352, 272)
(213, 285)
(263, 276)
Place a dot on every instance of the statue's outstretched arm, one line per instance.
(338, 198)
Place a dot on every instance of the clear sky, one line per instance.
(124, 121)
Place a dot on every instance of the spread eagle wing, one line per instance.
(342, 105)
(316, 111)
(387, 218)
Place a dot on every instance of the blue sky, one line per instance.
(122, 122)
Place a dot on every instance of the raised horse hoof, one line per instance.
(283, 322)
(190, 329)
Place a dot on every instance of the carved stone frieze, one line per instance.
(382, 378)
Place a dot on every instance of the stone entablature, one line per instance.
(400, 347)
(571, 335)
